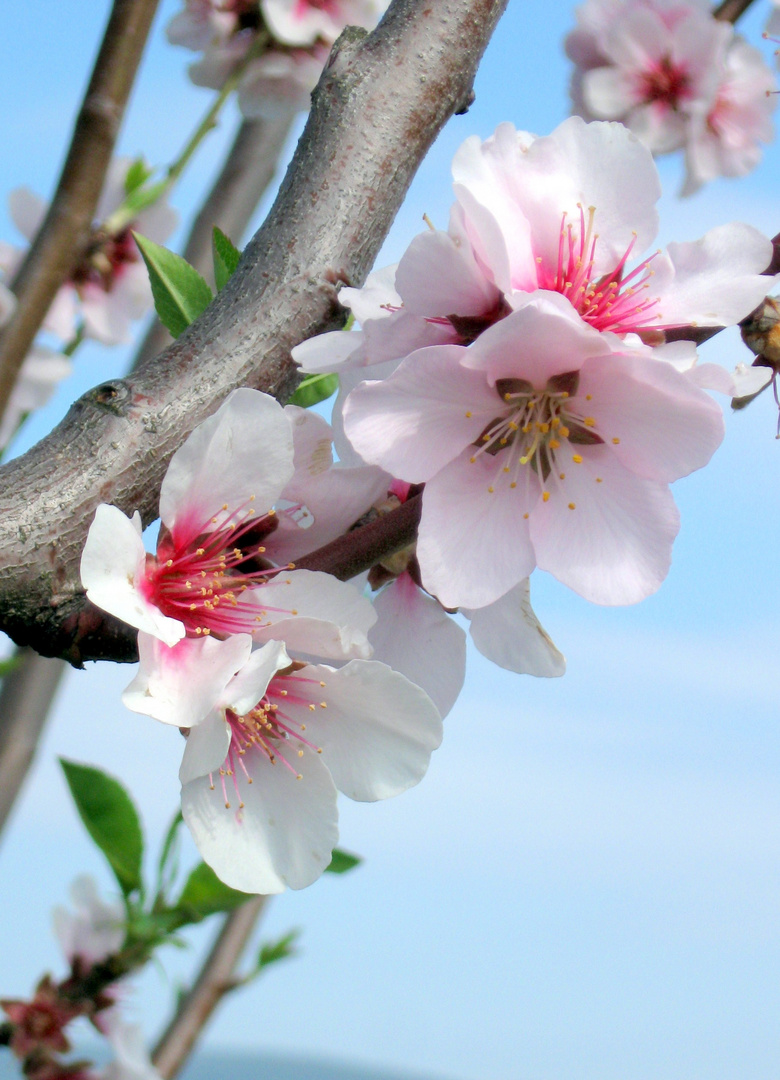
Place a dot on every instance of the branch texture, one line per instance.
(67, 226)
(381, 101)
(215, 979)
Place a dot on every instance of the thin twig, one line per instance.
(730, 10)
(248, 170)
(26, 697)
(215, 979)
(66, 227)
(381, 101)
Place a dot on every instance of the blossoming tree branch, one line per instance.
(517, 393)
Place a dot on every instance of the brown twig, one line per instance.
(215, 979)
(379, 104)
(66, 227)
(245, 175)
(26, 697)
(730, 10)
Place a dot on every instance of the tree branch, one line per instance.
(216, 978)
(25, 700)
(730, 10)
(381, 101)
(67, 225)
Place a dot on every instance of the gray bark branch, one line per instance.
(215, 979)
(68, 223)
(379, 105)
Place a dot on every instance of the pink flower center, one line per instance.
(616, 301)
(664, 82)
(273, 733)
(303, 7)
(105, 259)
(209, 576)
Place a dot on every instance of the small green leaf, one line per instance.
(342, 861)
(204, 894)
(168, 865)
(273, 951)
(110, 819)
(9, 665)
(180, 293)
(313, 389)
(226, 256)
(138, 173)
(136, 201)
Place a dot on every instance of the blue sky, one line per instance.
(587, 884)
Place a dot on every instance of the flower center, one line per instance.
(105, 259)
(665, 83)
(273, 733)
(209, 577)
(533, 428)
(616, 301)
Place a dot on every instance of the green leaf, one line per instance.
(342, 861)
(168, 865)
(313, 389)
(226, 256)
(9, 665)
(138, 173)
(180, 293)
(136, 201)
(273, 951)
(204, 894)
(110, 819)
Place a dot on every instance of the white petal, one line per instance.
(416, 636)
(181, 685)
(283, 836)
(245, 449)
(377, 732)
(316, 614)
(113, 565)
(509, 633)
(205, 749)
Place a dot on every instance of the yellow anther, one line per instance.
(313, 708)
(491, 489)
(187, 584)
(562, 476)
(545, 496)
(571, 506)
(616, 441)
(321, 683)
(472, 460)
(577, 459)
(526, 428)
(544, 428)
(525, 516)
(553, 444)
(468, 415)
(513, 484)
(300, 753)
(589, 421)
(589, 397)
(294, 611)
(505, 468)
(599, 480)
(555, 422)
(513, 426)
(563, 431)
(169, 562)
(201, 551)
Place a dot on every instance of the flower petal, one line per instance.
(509, 633)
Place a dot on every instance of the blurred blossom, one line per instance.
(109, 288)
(300, 35)
(678, 78)
(93, 930)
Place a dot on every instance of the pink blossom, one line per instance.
(216, 507)
(281, 81)
(656, 70)
(302, 22)
(571, 211)
(109, 288)
(544, 443)
(723, 138)
(94, 930)
(269, 744)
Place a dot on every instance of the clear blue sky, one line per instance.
(587, 884)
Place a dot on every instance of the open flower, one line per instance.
(271, 740)
(216, 506)
(544, 443)
(571, 211)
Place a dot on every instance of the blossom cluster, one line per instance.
(298, 36)
(517, 368)
(678, 78)
(267, 669)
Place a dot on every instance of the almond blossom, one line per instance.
(209, 574)
(571, 212)
(93, 930)
(544, 443)
(109, 288)
(270, 741)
